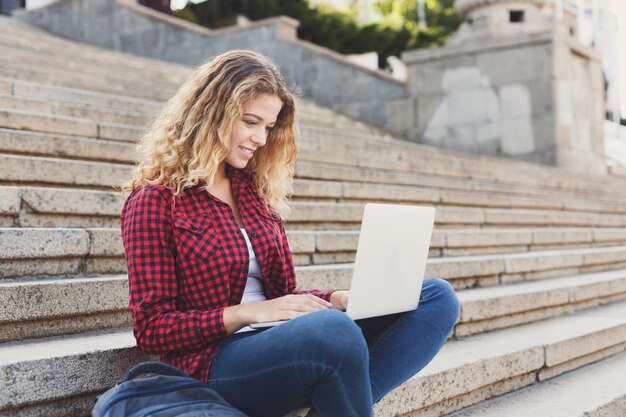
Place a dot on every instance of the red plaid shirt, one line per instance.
(187, 260)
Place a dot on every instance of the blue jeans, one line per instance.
(330, 362)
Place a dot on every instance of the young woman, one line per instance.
(207, 255)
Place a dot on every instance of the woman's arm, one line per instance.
(157, 324)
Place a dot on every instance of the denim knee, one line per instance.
(334, 337)
(442, 295)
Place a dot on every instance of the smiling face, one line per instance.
(250, 131)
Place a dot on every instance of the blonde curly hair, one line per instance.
(192, 135)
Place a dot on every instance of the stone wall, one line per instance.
(533, 96)
(317, 73)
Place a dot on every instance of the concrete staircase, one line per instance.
(538, 255)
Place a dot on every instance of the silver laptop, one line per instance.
(390, 261)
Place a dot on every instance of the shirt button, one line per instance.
(253, 234)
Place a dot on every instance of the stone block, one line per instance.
(534, 262)
(101, 114)
(336, 241)
(54, 145)
(590, 335)
(20, 243)
(34, 219)
(326, 212)
(66, 201)
(10, 200)
(105, 242)
(487, 250)
(550, 273)
(63, 297)
(14, 119)
(556, 370)
(506, 302)
(24, 104)
(476, 396)
(59, 326)
(503, 66)
(560, 236)
(451, 215)
(518, 217)
(324, 277)
(438, 381)
(6, 86)
(471, 328)
(389, 192)
(438, 239)
(37, 372)
(317, 189)
(301, 242)
(474, 199)
(490, 237)
(112, 265)
(15, 268)
(333, 258)
(47, 170)
(125, 133)
(75, 95)
(605, 256)
(455, 268)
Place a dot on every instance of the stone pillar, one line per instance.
(509, 83)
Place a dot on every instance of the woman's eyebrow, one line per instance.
(258, 117)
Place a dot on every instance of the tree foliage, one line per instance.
(397, 29)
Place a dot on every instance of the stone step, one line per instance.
(63, 207)
(310, 114)
(58, 207)
(77, 147)
(99, 251)
(42, 122)
(531, 169)
(441, 161)
(61, 251)
(595, 390)
(54, 145)
(310, 166)
(440, 191)
(15, 71)
(486, 270)
(19, 57)
(80, 96)
(53, 171)
(14, 33)
(67, 305)
(12, 140)
(348, 215)
(44, 376)
(94, 113)
(470, 370)
(385, 150)
(46, 251)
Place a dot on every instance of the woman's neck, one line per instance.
(220, 175)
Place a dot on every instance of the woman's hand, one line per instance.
(339, 299)
(286, 307)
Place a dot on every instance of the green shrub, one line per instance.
(338, 30)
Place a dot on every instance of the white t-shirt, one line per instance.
(254, 284)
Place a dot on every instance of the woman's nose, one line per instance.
(260, 137)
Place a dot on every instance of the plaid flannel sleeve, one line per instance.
(158, 326)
